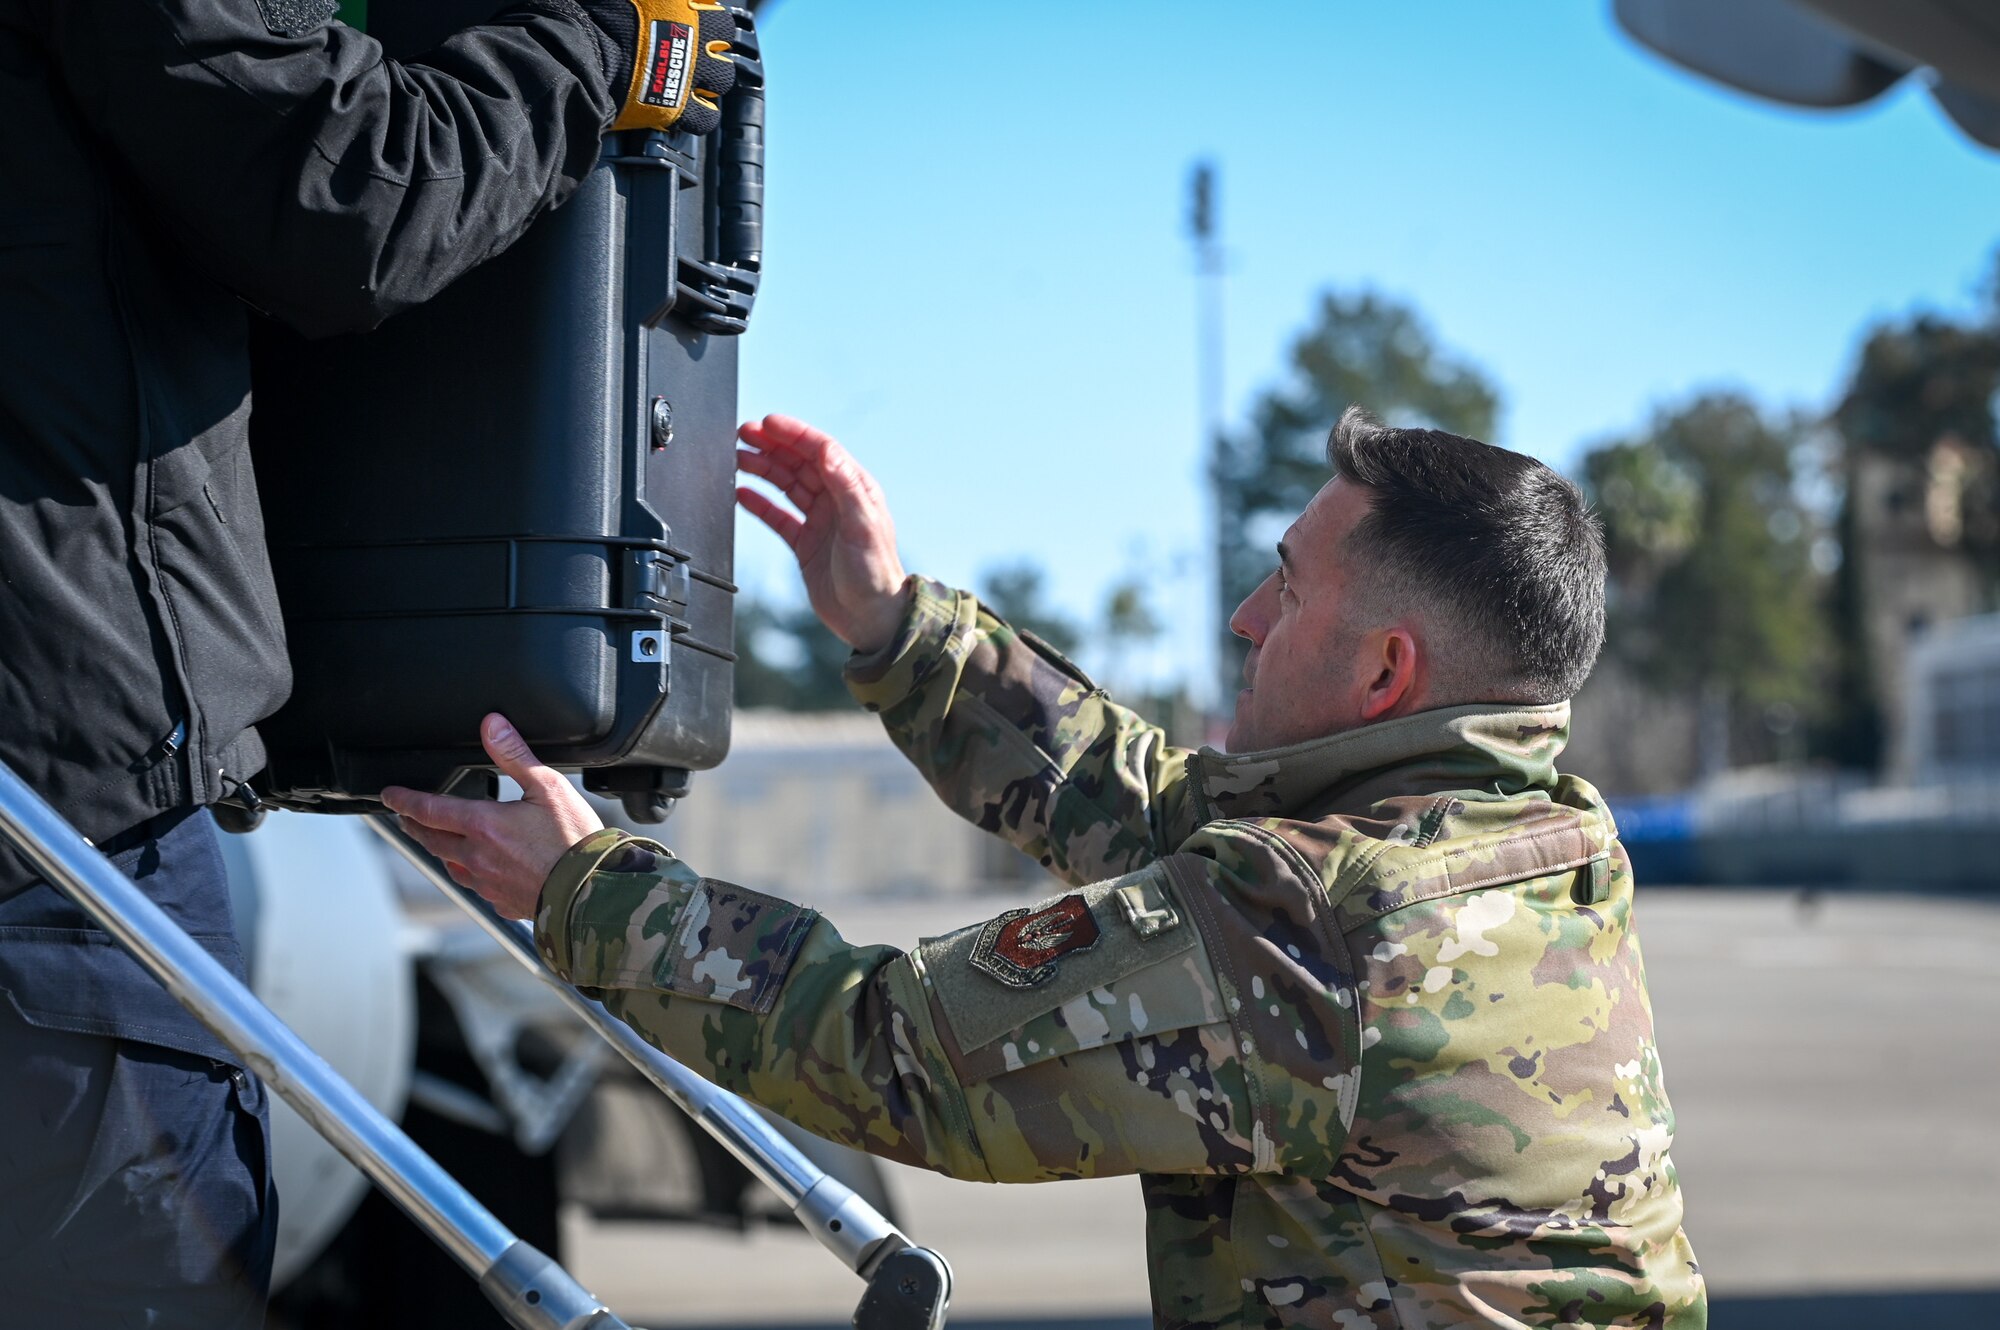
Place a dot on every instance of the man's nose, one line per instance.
(1250, 621)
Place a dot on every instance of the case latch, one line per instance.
(655, 581)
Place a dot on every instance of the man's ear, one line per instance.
(1397, 684)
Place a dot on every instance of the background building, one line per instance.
(818, 805)
(1951, 724)
(1916, 574)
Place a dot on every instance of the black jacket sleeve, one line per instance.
(324, 183)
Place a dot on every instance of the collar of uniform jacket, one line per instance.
(1493, 747)
(1499, 750)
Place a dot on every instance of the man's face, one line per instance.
(1309, 662)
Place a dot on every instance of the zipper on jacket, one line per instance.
(166, 747)
(171, 661)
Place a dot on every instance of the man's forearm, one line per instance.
(927, 1058)
(326, 185)
(761, 996)
(1018, 741)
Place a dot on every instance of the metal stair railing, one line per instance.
(908, 1287)
(531, 1291)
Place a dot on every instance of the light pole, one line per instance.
(1204, 230)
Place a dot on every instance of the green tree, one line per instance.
(1364, 350)
(785, 658)
(1918, 382)
(1709, 547)
(1128, 624)
(1921, 382)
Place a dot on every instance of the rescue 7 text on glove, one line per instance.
(681, 65)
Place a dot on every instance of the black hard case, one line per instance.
(519, 497)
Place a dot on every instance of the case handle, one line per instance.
(716, 293)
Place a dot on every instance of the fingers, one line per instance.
(441, 811)
(804, 462)
(462, 818)
(796, 450)
(445, 845)
(803, 493)
(823, 481)
(852, 490)
(455, 853)
(477, 884)
(509, 751)
(784, 434)
(540, 783)
(788, 473)
(807, 449)
(788, 528)
(562, 817)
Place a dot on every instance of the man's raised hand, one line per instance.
(842, 536)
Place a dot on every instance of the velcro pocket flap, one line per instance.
(734, 946)
(1136, 977)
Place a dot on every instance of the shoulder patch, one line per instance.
(297, 18)
(993, 977)
(1021, 947)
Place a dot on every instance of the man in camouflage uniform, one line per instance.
(1360, 999)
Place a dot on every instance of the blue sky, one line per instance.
(977, 273)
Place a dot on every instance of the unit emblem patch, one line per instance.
(1021, 947)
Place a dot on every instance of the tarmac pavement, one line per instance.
(1832, 1059)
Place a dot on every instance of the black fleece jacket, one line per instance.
(166, 166)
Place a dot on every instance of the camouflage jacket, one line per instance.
(1367, 1014)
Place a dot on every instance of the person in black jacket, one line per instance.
(167, 166)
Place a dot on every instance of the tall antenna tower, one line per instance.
(1204, 230)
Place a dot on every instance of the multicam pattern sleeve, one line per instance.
(1102, 1032)
(1018, 741)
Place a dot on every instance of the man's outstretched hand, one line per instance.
(502, 851)
(844, 540)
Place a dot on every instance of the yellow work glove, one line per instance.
(680, 60)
